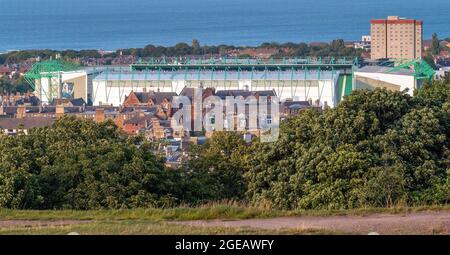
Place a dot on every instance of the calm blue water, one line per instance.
(112, 24)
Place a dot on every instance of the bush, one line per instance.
(79, 164)
(377, 148)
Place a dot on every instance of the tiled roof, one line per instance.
(244, 93)
(26, 123)
(139, 119)
(33, 100)
(296, 104)
(234, 93)
(144, 97)
(160, 96)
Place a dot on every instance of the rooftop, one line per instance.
(26, 123)
(384, 69)
(215, 75)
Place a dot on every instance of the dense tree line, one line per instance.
(15, 57)
(80, 164)
(376, 148)
(215, 171)
(12, 86)
(334, 49)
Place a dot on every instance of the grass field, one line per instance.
(139, 227)
(156, 221)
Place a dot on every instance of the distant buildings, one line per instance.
(443, 59)
(5, 71)
(364, 43)
(396, 38)
(18, 99)
(148, 113)
(16, 125)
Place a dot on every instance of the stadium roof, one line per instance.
(216, 75)
(384, 69)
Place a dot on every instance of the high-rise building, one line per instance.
(396, 38)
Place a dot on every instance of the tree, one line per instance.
(217, 169)
(376, 148)
(302, 50)
(182, 49)
(196, 47)
(6, 85)
(435, 46)
(337, 45)
(80, 164)
(430, 60)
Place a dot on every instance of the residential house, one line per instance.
(241, 120)
(294, 108)
(13, 126)
(74, 102)
(5, 71)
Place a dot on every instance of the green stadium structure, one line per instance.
(51, 71)
(405, 75)
(422, 70)
(345, 85)
(325, 80)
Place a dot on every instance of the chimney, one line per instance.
(21, 112)
(99, 115)
(317, 103)
(59, 111)
(119, 120)
(144, 90)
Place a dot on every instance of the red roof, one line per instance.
(397, 21)
(5, 69)
(378, 21)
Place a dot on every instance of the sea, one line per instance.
(114, 24)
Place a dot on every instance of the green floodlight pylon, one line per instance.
(422, 70)
(48, 69)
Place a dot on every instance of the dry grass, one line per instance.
(139, 227)
(230, 210)
(154, 220)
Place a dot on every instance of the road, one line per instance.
(410, 223)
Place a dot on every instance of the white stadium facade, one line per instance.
(110, 88)
(324, 82)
